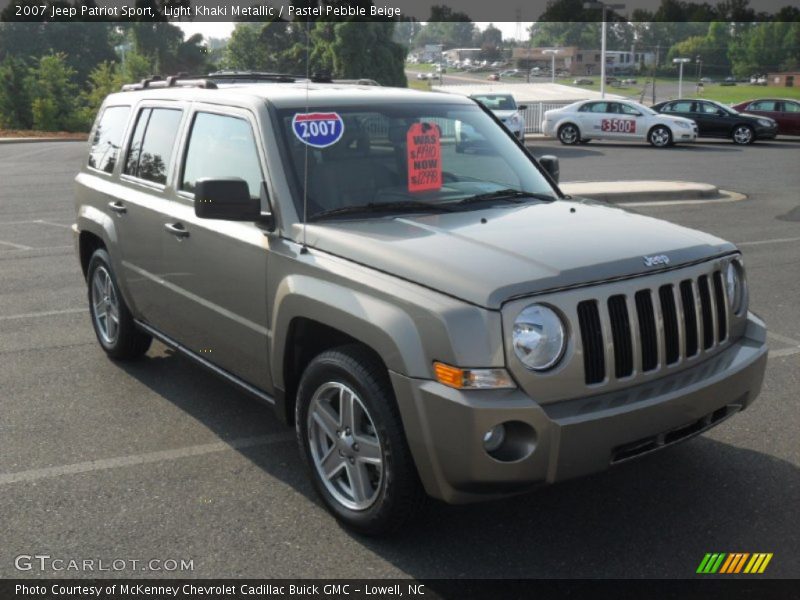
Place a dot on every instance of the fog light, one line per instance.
(494, 438)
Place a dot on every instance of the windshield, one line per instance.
(385, 159)
(727, 109)
(642, 108)
(496, 101)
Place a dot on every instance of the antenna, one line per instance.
(304, 248)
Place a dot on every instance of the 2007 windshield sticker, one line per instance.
(319, 130)
(424, 157)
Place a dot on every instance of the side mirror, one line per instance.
(228, 199)
(550, 164)
(721, 113)
(522, 107)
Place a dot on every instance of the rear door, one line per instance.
(148, 163)
(217, 270)
(590, 117)
(789, 117)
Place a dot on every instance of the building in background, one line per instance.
(786, 79)
(576, 61)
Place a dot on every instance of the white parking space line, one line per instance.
(29, 248)
(47, 313)
(783, 338)
(16, 246)
(43, 222)
(784, 352)
(142, 459)
(772, 241)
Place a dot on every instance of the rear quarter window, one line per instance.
(107, 139)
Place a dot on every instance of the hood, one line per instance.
(752, 116)
(519, 250)
(504, 114)
(676, 118)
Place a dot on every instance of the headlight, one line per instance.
(765, 123)
(734, 283)
(684, 125)
(538, 338)
(515, 119)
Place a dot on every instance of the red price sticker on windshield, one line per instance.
(424, 157)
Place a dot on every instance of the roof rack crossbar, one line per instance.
(171, 81)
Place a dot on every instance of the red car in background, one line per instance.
(785, 112)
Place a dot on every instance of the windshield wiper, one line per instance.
(507, 195)
(383, 207)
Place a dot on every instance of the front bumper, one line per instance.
(445, 426)
(766, 133)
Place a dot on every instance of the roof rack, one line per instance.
(180, 80)
(256, 76)
(251, 76)
(211, 80)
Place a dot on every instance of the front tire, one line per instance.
(660, 136)
(569, 134)
(351, 437)
(743, 135)
(112, 320)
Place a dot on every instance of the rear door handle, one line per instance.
(176, 229)
(117, 207)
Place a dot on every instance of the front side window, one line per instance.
(152, 144)
(629, 110)
(438, 156)
(221, 147)
(107, 138)
(708, 108)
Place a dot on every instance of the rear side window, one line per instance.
(221, 147)
(766, 105)
(791, 107)
(105, 150)
(152, 144)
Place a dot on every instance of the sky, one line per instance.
(223, 30)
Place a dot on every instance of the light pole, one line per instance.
(680, 62)
(604, 7)
(553, 53)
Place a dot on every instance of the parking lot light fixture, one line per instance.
(552, 52)
(680, 62)
(604, 7)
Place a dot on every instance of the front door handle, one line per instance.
(176, 229)
(117, 207)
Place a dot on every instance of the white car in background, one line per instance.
(505, 108)
(586, 120)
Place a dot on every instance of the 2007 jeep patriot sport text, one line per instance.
(446, 322)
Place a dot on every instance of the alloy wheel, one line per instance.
(105, 306)
(345, 447)
(742, 135)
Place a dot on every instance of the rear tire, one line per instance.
(569, 134)
(352, 440)
(586, 140)
(112, 320)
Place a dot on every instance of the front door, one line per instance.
(217, 270)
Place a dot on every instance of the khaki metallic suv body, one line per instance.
(454, 326)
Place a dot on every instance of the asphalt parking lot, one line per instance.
(160, 460)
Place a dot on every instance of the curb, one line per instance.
(642, 191)
(35, 140)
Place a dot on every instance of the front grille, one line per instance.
(672, 323)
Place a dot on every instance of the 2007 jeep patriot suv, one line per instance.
(430, 321)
